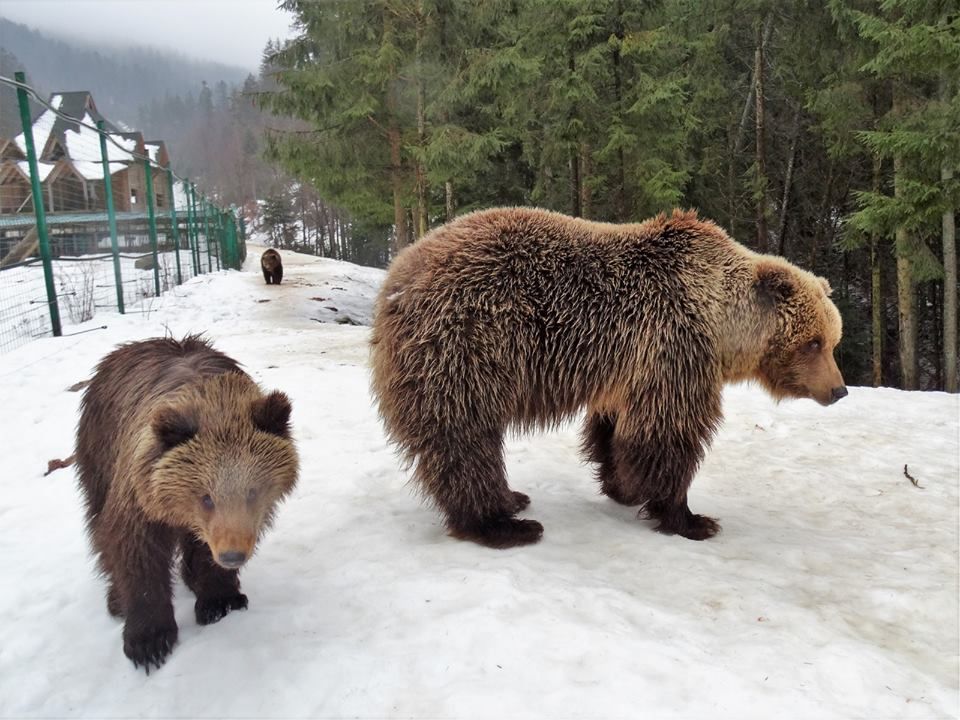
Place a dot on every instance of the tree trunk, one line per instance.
(906, 295)
(822, 218)
(763, 238)
(737, 144)
(396, 159)
(787, 182)
(876, 291)
(396, 180)
(574, 183)
(574, 151)
(949, 232)
(620, 191)
(585, 170)
(423, 193)
(448, 192)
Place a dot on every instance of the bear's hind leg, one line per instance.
(597, 445)
(217, 589)
(467, 480)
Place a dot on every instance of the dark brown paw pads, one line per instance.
(210, 610)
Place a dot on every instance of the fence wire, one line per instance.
(118, 225)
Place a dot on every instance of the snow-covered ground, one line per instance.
(832, 591)
(85, 286)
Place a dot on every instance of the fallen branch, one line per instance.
(911, 478)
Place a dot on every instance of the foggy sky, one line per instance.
(230, 31)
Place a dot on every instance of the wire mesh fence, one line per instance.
(93, 219)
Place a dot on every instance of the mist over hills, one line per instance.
(123, 79)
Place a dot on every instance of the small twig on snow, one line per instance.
(911, 478)
(57, 464)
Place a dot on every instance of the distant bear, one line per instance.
(272, 266)
(178, 448)
(518, 318)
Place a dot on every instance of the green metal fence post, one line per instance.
(174, 230)
(38, 210)
(196, 226)
(233, 257)
(111, 216)
(218, 230)
(152, 224)
(206, 231)
(232, 238)
(190, 229)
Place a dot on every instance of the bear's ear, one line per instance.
(174, 426)
(826, 286)
(272, 414)
(774, 283)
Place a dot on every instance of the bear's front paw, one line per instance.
(209, 610)
(149, 645)
(692, 527)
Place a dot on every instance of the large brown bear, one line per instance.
(272, 266)
(178, 448)
(518, 318)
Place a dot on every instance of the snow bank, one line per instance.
(832, 591)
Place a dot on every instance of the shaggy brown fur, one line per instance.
(178, 448)
(520, 317)
(272, 266)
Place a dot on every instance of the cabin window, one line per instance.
(133, 196)
(159, 200)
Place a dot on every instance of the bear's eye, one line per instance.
(812, 346)
(207, 502)
(251, 494)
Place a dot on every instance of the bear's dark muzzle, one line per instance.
(232, 558)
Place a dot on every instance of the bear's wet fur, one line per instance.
(519, 318)
(178, 451)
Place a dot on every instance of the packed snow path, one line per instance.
(831, 592)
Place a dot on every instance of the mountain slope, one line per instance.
(121, 79)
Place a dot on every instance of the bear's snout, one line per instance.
(232, 558)
(838, 393)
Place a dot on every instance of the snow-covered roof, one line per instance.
(43, 168)
(153, 150)
(42, 127)
(94, 170)
(84, 144)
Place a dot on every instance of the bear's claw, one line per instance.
(693, 527)
(210, 610)
(149, 646)
(521, 501)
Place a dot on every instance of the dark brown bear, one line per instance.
(519, 318)
(272, 266)
(178, 449)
